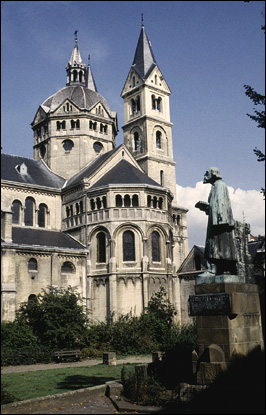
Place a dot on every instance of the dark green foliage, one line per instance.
(146, 390)
(56, 317)
(6, 397)
(55, 320)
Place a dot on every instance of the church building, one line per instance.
(86, 213)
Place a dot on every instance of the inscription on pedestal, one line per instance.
(210, 304)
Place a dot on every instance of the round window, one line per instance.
(68, 145)
(97, 147)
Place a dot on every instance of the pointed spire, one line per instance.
(90, 83)
(144, 59)
(75, 67)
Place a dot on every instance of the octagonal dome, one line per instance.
(81, 96)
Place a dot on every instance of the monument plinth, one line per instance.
(226, 301)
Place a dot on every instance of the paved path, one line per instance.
(87, 362)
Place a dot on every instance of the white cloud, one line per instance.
(246, 204)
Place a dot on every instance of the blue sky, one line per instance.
(206, 50)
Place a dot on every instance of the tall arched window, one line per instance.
(158, 139)
(135, 200)
(29, 211)
(127, 201)
(138, 103)
(118, 201)
(42, 215)
(16, 209)
(101, 247)
(128, 246)
(155, 246)
(136, 141)
(133, 106)
(32, 264)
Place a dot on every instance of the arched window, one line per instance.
(155, 246)
(92, 204)
(75, 75)
(127, 201)
(32, 264)
(104, 203)
(42, 151)
(133, 81)
(128, 246)
(133, 106)
(161, 178)
(42, 215)
(101, 247)
(138, 103)
(153, 102)
(98, 203)
(159, 104)
(158, 139)
(136, 141)
(149, 201)
(80, 76)
(160, 203)
(29, 211)
(67, 268)
(32, 298)
(16, 209)
(81, 206)
(118, 201)
(135, 200)
(77, 208)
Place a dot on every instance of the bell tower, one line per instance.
(147, 126)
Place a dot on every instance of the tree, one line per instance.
(57, 317)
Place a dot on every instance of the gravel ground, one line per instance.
(99, 405)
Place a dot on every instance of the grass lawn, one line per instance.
(28, 385)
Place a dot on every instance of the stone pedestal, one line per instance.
(109, 358)
(227, 316)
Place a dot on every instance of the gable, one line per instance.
(157, 80)
(189, 265)
(67, 106)
(39, 116)
(99, 109)
(133, 80)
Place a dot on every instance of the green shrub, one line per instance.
(146, 390)
(56, 317)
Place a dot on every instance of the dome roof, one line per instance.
(83, 97)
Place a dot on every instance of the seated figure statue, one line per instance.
(220, 249)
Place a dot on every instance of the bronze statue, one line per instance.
(220, 249)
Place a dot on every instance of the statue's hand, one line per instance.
(203, 206)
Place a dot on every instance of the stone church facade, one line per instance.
(85, 213)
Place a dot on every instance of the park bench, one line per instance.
(61, 355)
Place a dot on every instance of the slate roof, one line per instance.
(43, 237)
(80, 95)
(37, 172)
(144, 60)
(125, 173)
(88, 170)
(254, 246)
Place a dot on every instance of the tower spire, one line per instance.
(75, 68)
(90, 83)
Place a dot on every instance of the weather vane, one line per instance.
(76, 35)
(89, 59)
(142, 19)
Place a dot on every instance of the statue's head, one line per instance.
(212, 175)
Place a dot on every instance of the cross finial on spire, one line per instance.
(142, 24)
(76, 35)
(89, 59)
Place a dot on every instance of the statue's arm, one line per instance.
(203, 206)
